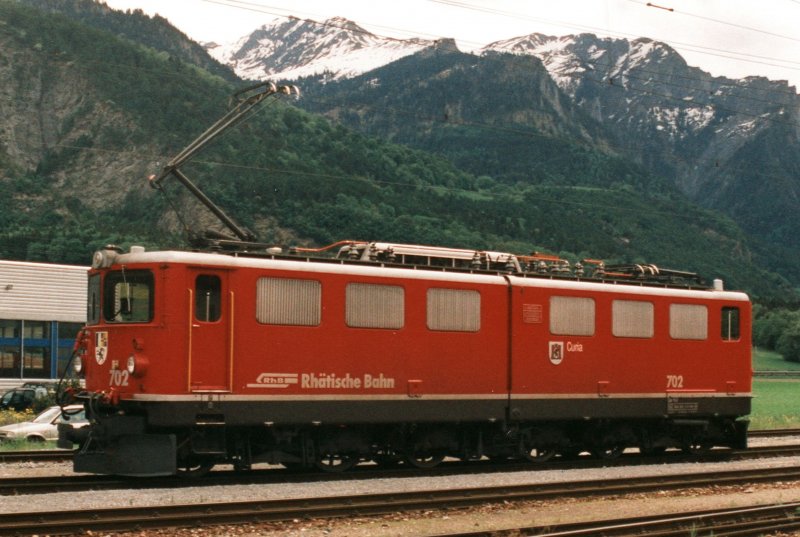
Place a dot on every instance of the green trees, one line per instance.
(778, 330)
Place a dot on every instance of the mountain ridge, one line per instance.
(296, 178)
(337, 46)
(679, 122)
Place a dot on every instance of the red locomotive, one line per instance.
(390, 351)
(386, 352)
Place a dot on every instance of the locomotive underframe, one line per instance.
(164, 438)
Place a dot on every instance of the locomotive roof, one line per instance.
(385, 270)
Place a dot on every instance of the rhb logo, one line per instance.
(274, 380)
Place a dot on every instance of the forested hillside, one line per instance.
(88, 115)
(133, 25)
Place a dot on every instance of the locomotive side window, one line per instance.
(208, 298)
(374, 306)
(688, 321)
(632, 318)
(454, 310)
(93, 303)
(128, 296)
(571, 316)
(288, 301)
(730, 324)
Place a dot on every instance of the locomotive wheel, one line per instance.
(608, 453)
(535, 454)
(532, 450)
(387, 459)
(194, 469)
(697, 447)
(424, 460)
(335, 462)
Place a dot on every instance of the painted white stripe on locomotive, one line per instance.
(216, 396)
(221, 260)
(630, 289)
(225, 261)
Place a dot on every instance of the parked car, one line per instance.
(45, 425)
(29, 395)
(18, 399)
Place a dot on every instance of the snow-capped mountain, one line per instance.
(680, 119)
(296, 48)
(621, 81)
(728, 144)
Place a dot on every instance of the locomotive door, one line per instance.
(209, 331)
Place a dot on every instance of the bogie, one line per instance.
(338, 449)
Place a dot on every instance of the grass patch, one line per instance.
(772, 361)
(20, 444)
(776, 404)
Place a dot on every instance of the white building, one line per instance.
(42, 308)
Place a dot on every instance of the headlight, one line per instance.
(77, 364)
(137, 365)
(105, 258)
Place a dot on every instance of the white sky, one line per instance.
(734, 38)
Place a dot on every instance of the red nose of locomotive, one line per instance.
(112, 363)
(110, 351)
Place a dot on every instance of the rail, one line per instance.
(260, 511)
(776, 374)
(738, 521)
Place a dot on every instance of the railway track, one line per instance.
(77, 483)
(761, 433)
(35, 455)
(753, 520)
(262, 511)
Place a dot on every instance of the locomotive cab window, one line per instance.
(208, 298)
(730, 324)
(128, 296)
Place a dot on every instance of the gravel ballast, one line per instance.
(426, 523)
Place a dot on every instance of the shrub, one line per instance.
(12, 416)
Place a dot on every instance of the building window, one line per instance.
(25, 349)
(36, 363)
(9, 361)
(632, 318)
(36, 344)
(374, 306)
(571, 316)
(128, 296)
(9, 329)
(454, 310)
(287, 301)
(36, 330)
(730, 324)
(688, 321)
